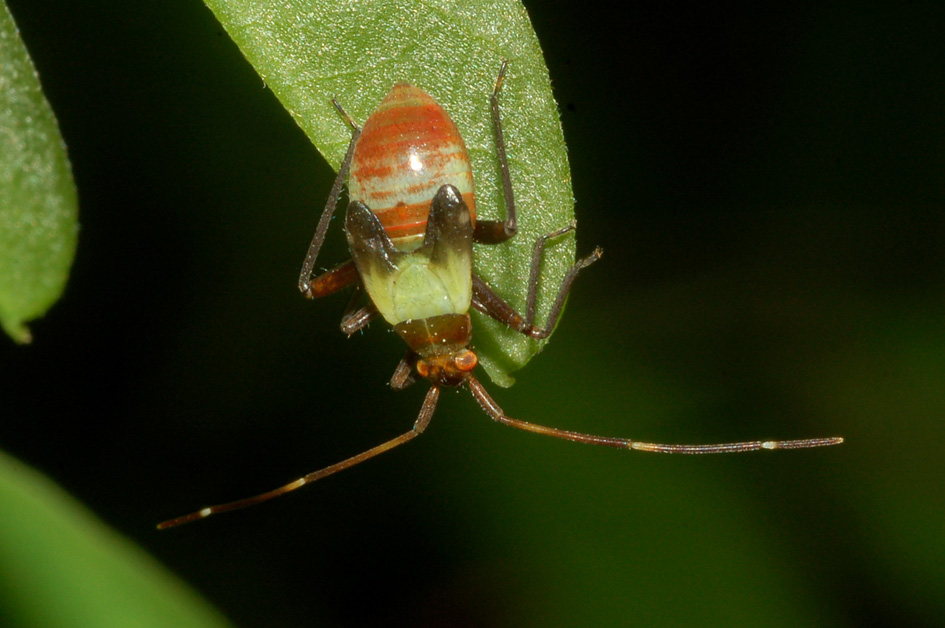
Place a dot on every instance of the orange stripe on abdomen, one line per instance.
(408, 149)
(407, 221)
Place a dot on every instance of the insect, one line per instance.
(410, 225)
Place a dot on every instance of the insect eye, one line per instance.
(466, 361)
(423, 369)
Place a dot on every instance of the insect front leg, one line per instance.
(404, 375)
(488, 302)
(357, 317)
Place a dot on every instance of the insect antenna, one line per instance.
(426, 413)
(496, 413)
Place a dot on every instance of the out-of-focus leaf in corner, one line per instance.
(38, 207)
(60, 566)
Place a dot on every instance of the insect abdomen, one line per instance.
(409, 147)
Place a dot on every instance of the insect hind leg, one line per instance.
(308, 266)
(498, 231)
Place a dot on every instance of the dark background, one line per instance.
(768, 188)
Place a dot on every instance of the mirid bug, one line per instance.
(410, 225)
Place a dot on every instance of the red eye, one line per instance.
(423, 369)
(466, 361)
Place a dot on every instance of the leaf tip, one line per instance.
(16, 330)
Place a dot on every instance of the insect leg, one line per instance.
(423, 419)
(404, 374)
(357, 318)
(331, 281)
(308, 266)
(498, 231)
(496, 413)
(533, 276)
(488, 302)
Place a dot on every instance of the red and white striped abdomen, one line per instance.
(409, 147)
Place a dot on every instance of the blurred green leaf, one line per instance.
(59, 566)
(309, 52)
(38, 208)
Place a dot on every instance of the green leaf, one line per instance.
(60, 566)
(311, 51)
(38, 208)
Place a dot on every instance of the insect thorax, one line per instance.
(420, 288)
